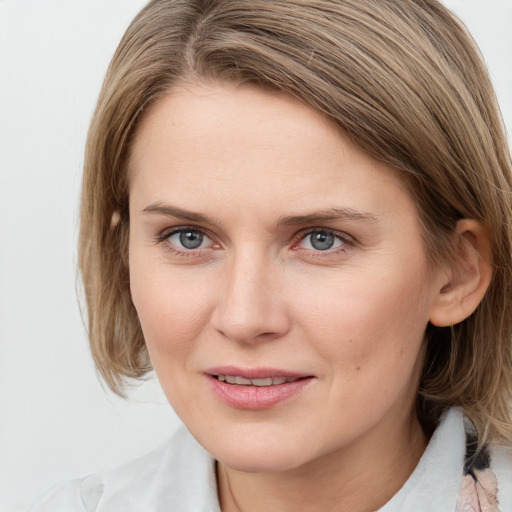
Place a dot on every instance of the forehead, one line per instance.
(211, 119)
(262, 153)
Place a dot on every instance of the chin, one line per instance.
(258, 452)
(260, 461)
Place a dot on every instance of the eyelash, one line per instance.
(346, 240)
(163, 238)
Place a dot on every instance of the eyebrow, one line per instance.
(333, 214)
(330, 215)
(178, 213)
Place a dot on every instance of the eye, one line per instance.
(322, 240)
(188, 238)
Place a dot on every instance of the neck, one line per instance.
(359, 478)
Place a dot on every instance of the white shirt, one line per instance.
(180, 477)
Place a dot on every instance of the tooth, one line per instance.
(262, 382)
(242, 382)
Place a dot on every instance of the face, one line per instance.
(279, 275)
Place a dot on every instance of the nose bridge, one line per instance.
(250, 307)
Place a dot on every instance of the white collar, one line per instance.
(434, 484)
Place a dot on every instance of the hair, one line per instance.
(402, 79)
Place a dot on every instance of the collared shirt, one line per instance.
(180, 477)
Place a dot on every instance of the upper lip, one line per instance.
(256, 373)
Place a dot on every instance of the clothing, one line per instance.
(181, 478)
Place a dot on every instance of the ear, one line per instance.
(465, 282)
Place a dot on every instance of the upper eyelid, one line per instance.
(167, 232)
(339, 234)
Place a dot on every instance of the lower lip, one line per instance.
(256, 397)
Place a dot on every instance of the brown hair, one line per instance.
(403, 79)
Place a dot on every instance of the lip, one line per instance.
(255, 397)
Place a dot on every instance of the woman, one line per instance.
(299, 214)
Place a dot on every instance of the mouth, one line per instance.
(242, 381)
(256, 389)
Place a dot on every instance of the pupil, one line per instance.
(191, 239)
(322, 241)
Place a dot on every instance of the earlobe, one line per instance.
(114, 220)
(468, 276)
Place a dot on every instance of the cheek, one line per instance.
(171, 307)
(369, 323)
(371, 338)
(172, 314)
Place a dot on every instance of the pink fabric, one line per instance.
(478, 493)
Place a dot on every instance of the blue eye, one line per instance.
(321, 240)
(188, 239)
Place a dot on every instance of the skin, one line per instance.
(257, 293)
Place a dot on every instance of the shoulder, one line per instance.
(177, 477)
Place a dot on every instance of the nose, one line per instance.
(251, 304)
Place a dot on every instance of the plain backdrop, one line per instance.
(56, 420)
